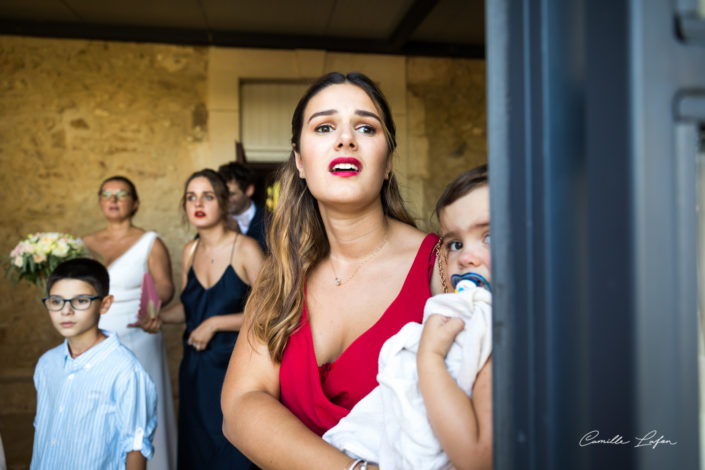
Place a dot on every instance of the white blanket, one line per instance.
(390, 426)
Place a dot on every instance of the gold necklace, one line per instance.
(215, 250)
(208, 256)
(339, 281)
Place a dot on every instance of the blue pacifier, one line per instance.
(461, 281)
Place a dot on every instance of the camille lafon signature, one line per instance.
(647, 440)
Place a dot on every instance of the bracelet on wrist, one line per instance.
(357, 461)
(354, 464)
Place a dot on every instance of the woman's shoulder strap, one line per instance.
(191, 253)
(149, 238)
(232, 249)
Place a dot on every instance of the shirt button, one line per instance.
(61, 409)
(71, 376)
(53, 442)
(88, 365)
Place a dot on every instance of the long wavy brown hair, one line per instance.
(297, 236)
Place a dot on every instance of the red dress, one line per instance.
(321, 396)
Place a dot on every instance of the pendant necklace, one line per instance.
(339, 281)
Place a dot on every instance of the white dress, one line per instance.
(126, 274)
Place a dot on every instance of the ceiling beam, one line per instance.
(197, 37)
(417, 12)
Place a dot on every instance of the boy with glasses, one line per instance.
(96, 405)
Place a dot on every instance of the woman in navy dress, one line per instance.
(218, 268)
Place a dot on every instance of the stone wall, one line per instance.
(71, 114)
(447, 125)
(74, 112)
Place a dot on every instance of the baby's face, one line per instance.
(466, 233)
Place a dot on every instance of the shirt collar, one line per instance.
(93, 354)
(244, 219)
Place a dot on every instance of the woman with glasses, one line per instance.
(129, 252)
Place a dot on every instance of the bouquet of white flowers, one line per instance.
(35, 257)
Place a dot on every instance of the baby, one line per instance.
(433, 406)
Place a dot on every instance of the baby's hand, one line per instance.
(438, 334)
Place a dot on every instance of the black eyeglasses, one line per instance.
(80, 302)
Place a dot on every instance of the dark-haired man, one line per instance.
(242, 210)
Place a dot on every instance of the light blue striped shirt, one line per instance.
(92, 410)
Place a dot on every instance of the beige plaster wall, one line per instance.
(74, 112)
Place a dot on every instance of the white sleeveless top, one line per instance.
(126, 274)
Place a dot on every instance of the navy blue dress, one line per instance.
(202, 444)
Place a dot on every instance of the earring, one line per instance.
(386, 176)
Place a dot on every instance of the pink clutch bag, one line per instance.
(149, 300)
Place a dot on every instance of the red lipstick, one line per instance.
(199, 214)
(345, 166)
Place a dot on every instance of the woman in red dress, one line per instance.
(348, 268)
